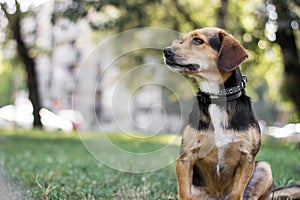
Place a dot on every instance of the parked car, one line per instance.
(20, 115)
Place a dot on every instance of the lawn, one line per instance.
(41, 165)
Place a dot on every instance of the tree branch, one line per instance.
(186, 15)
(3, 6)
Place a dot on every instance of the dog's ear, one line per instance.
(231, 53)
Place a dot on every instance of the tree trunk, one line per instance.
(23, 51)
(287, 42)
(31, 75)
(221, 14)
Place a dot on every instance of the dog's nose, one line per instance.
(169, 51)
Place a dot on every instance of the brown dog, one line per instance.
(219, 145)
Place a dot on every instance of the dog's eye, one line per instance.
(197, 41)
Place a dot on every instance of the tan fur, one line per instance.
(198, 148)
(231, 151)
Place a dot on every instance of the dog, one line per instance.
(222, 138)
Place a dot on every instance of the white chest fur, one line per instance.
(219, 120)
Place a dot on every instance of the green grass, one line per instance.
(35, 160)
(55, 165)
(284, 159)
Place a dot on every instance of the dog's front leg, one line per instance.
(184, 173)
(242, 176)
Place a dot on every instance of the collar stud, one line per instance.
(225, 95)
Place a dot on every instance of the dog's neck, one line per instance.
(211, 92)
(234, 79)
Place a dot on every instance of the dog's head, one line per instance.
(203, 53)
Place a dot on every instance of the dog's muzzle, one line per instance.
(170, 60)
(169, 51)
(169, 54)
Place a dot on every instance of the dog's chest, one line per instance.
(219, 120)
(219, 164)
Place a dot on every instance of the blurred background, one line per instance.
(63, 68)
(44, 43)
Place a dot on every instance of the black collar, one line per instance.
(225, 95)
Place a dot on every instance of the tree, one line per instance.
(286, 39)
(221, 14)
(14, 25)
(247, 25)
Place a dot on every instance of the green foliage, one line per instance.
(55, 165)
(12, 79)
(245, 20)
(5, 83)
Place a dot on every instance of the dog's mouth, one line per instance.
(183, 68)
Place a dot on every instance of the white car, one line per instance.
(21, 115)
